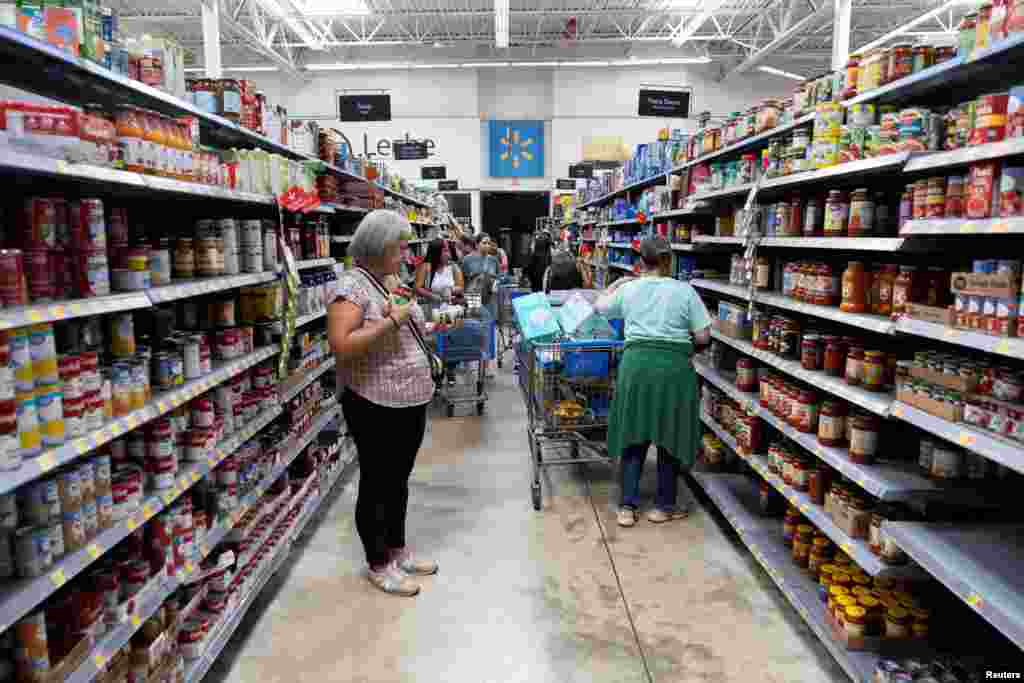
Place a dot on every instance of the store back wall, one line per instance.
(452, 106)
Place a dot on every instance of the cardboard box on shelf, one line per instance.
(942, 379)
(930, 314)
(1002, 285)
(930, 406)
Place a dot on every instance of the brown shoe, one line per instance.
(392, 580)
(660, 516)
(415, 566)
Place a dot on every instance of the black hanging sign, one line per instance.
(581, 171)
(432, 172)
(364, 107)
(447, 185)
(665, 104)
(565, 184)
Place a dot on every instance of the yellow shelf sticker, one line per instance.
(58, 578)
(966, 439)
(136, 621)
(1003, 347)
(100, 660)
(195, 477)
(35, 316)
(975, 601)
(82, 446)
(846, 548)
(169, 496)
(131, 523)
(75, 309)
(57, 312)
(897, 411)
(93, 550)
(46, 461)
(147, 510)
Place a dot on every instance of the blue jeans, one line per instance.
(668, 477)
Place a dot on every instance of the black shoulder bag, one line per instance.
(435, 362)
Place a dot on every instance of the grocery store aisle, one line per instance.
(562, 595)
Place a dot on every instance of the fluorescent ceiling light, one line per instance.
(666, 61)
(335, 8)
(475, 65)
(585, 63)
(430, 65)
(501, 12)
(199, 69)
(779, 72)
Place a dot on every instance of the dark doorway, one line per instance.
(517, 211)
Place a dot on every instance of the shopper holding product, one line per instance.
(438, 278)
(656, 398)
(385, 383)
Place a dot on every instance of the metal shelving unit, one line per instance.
(619, 266)
(854, 547)
(980, 563)
(748, 143)
(995, 448)
(888, 481)
(197, 287)
(637, 185)
(18, 597)
(307, 378)
(877, 403)
(71, 308)
(872, 323)
(308, 318)
(965, 155)
(712, 239)
(964, 226)
(736, 496)
(398, 195)
(161, 404)
(315, 263)
(1011, 347)
(622, 223)
(843, 243)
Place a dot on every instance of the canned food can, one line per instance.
(252, 259)
(40, 223)
(105, 510)
(140, 384)
(87, 225)
(49, 405)
(87, 479)
(28, 423)
(43, 351)
(92, 273)
(69, 488)
(8, 512)
(202, 412)
(32, 551)
(228, 343)
(13, 285)
(90, 519)
(122, 334)
(74, 530)
(103, 473)
(7, 566)
(118, 229)
(74, 418)
(32, 649)
(190, 356)
(160, 267)
(209, 257)
(127, 280)
(207, 227)
(56, 531)
(90, 374)
(21, 359)
(69, 369)
(251, 234)
(37, 499)
(163, 370)
(41, 275)
(93, 415)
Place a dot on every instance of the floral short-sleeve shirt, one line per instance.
(395, 372)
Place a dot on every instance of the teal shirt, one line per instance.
(657, 308)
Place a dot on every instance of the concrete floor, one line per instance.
(562, 595)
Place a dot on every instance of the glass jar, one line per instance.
(903, 289)
(881, 303)
(130, 133)
(836, 214)
(826, 285)
(862, 214)
(746, 375)
(802, 545)
(230, 100)
(807, 410)
(874, 371)
(854, 365)
(789, 524)
(813, 219)
(897, 623)
(855, 621)
(789, 340)
(762, 273)
(924, 57)
(810, 352)
(854, 288)
(832, 423)
(864, 439)
(817, 558)
(819, 479)
(799, 477)
(852, 76)
(834, 361)
(983, 29)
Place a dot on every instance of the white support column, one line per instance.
(211, 38)
(841, 17)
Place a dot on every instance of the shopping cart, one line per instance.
(507, 328)
(568, 388)
(465, 350)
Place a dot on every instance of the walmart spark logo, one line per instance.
(517, 148)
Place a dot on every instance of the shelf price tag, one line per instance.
(57, 578)
(975, 601)
(100, 660)
(46, 461)
(169, 496)
(1003, 347)
(136, 621)
(147, 511)
(966, 440)
(897, 410)
(93, 550)
(846, 548)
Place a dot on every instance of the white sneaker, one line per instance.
(392, 580)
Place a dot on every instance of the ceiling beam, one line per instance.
(252, 41)
(755, 58)
(686, 29)
(901, 30)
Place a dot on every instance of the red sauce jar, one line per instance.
(832, 423)
(819, 482)
(834, 361)
(854, 365)
(746, 375)
(810, 352)
(864, 439)
(807, 412)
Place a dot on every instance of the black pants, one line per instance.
(387, 440)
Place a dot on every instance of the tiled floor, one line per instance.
(559, 595)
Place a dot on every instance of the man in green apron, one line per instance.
(656, 397)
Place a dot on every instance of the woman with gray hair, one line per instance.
(383, 367)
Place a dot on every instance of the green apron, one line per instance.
(656, 400)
